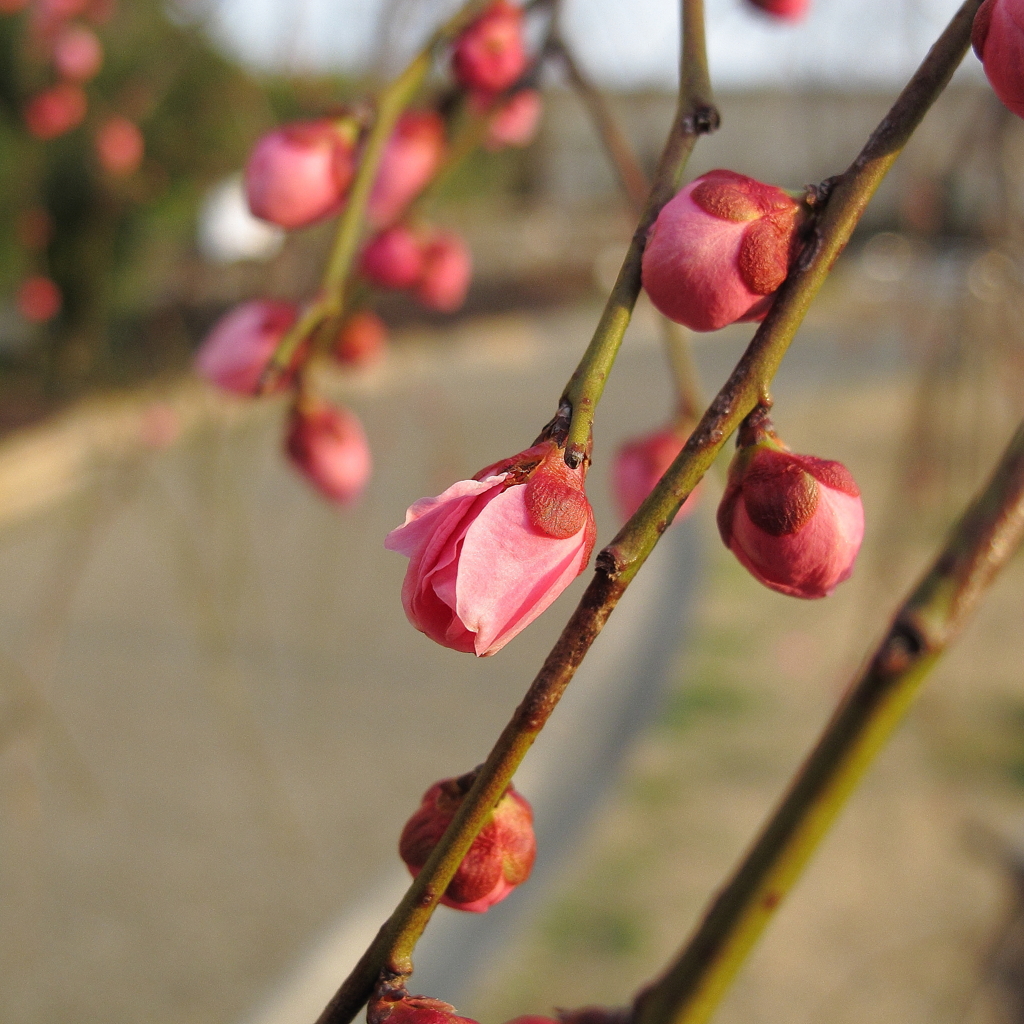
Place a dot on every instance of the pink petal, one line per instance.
(509, 572)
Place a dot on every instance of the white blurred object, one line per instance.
(228, 232)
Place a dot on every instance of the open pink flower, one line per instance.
(794, 521)
(119, 144)
(719, 250)
(500, 858)
(412, 156)
(239, 346)
(998, 38)
(447, 269)
(488, 555)
(362, 339)
(792, 10)
(639, 464)
(300, 173)
(328, 446)
(39, 299)
(55, 111)
(77, 53)
(489, 55)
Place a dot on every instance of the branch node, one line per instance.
(703, 120)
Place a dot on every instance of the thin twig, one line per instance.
(695, 115)
(845, 199)
(984, 540)
(631, 175)
(636, 187)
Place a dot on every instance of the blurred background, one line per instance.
(214, 718)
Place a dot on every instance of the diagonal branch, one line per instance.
(984, 540)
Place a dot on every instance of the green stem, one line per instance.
(392, 100)
(635, 185)
(695, 115)
(989, 533)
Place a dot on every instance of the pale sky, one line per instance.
(624, 43)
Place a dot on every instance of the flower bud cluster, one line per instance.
(64, 31)
(435, 265)
(489, 554)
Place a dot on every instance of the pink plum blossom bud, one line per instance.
(639, 464)
(794, 521)
(488, 555)
(412, 156)
(394, 258)
(362, 339)
(119, 145)
(328, 446)
(39, 299)
(300, 173)
(55, 111)
(500, 858)
(238, 348)
(447, 269)
(77, 53)
(792, 10)
(406, 1009)
(489, 55)
(998, 38)
(719, 250)
(515, 122)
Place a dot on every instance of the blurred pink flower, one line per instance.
(77, 53)
(300, 173)
(55, 111)
(488, 555)
(639, 464)
(792, 10)
(794, 521)
(239, 346)
(362, 339)
(515, 122)
(393, 258)
(119, 145)
(413, 1010)
(328, 446)
(489, 55)
(412, 156)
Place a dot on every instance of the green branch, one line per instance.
(984, 540)
(695, 115)
(844, 201)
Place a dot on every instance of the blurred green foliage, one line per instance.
(112, 238)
